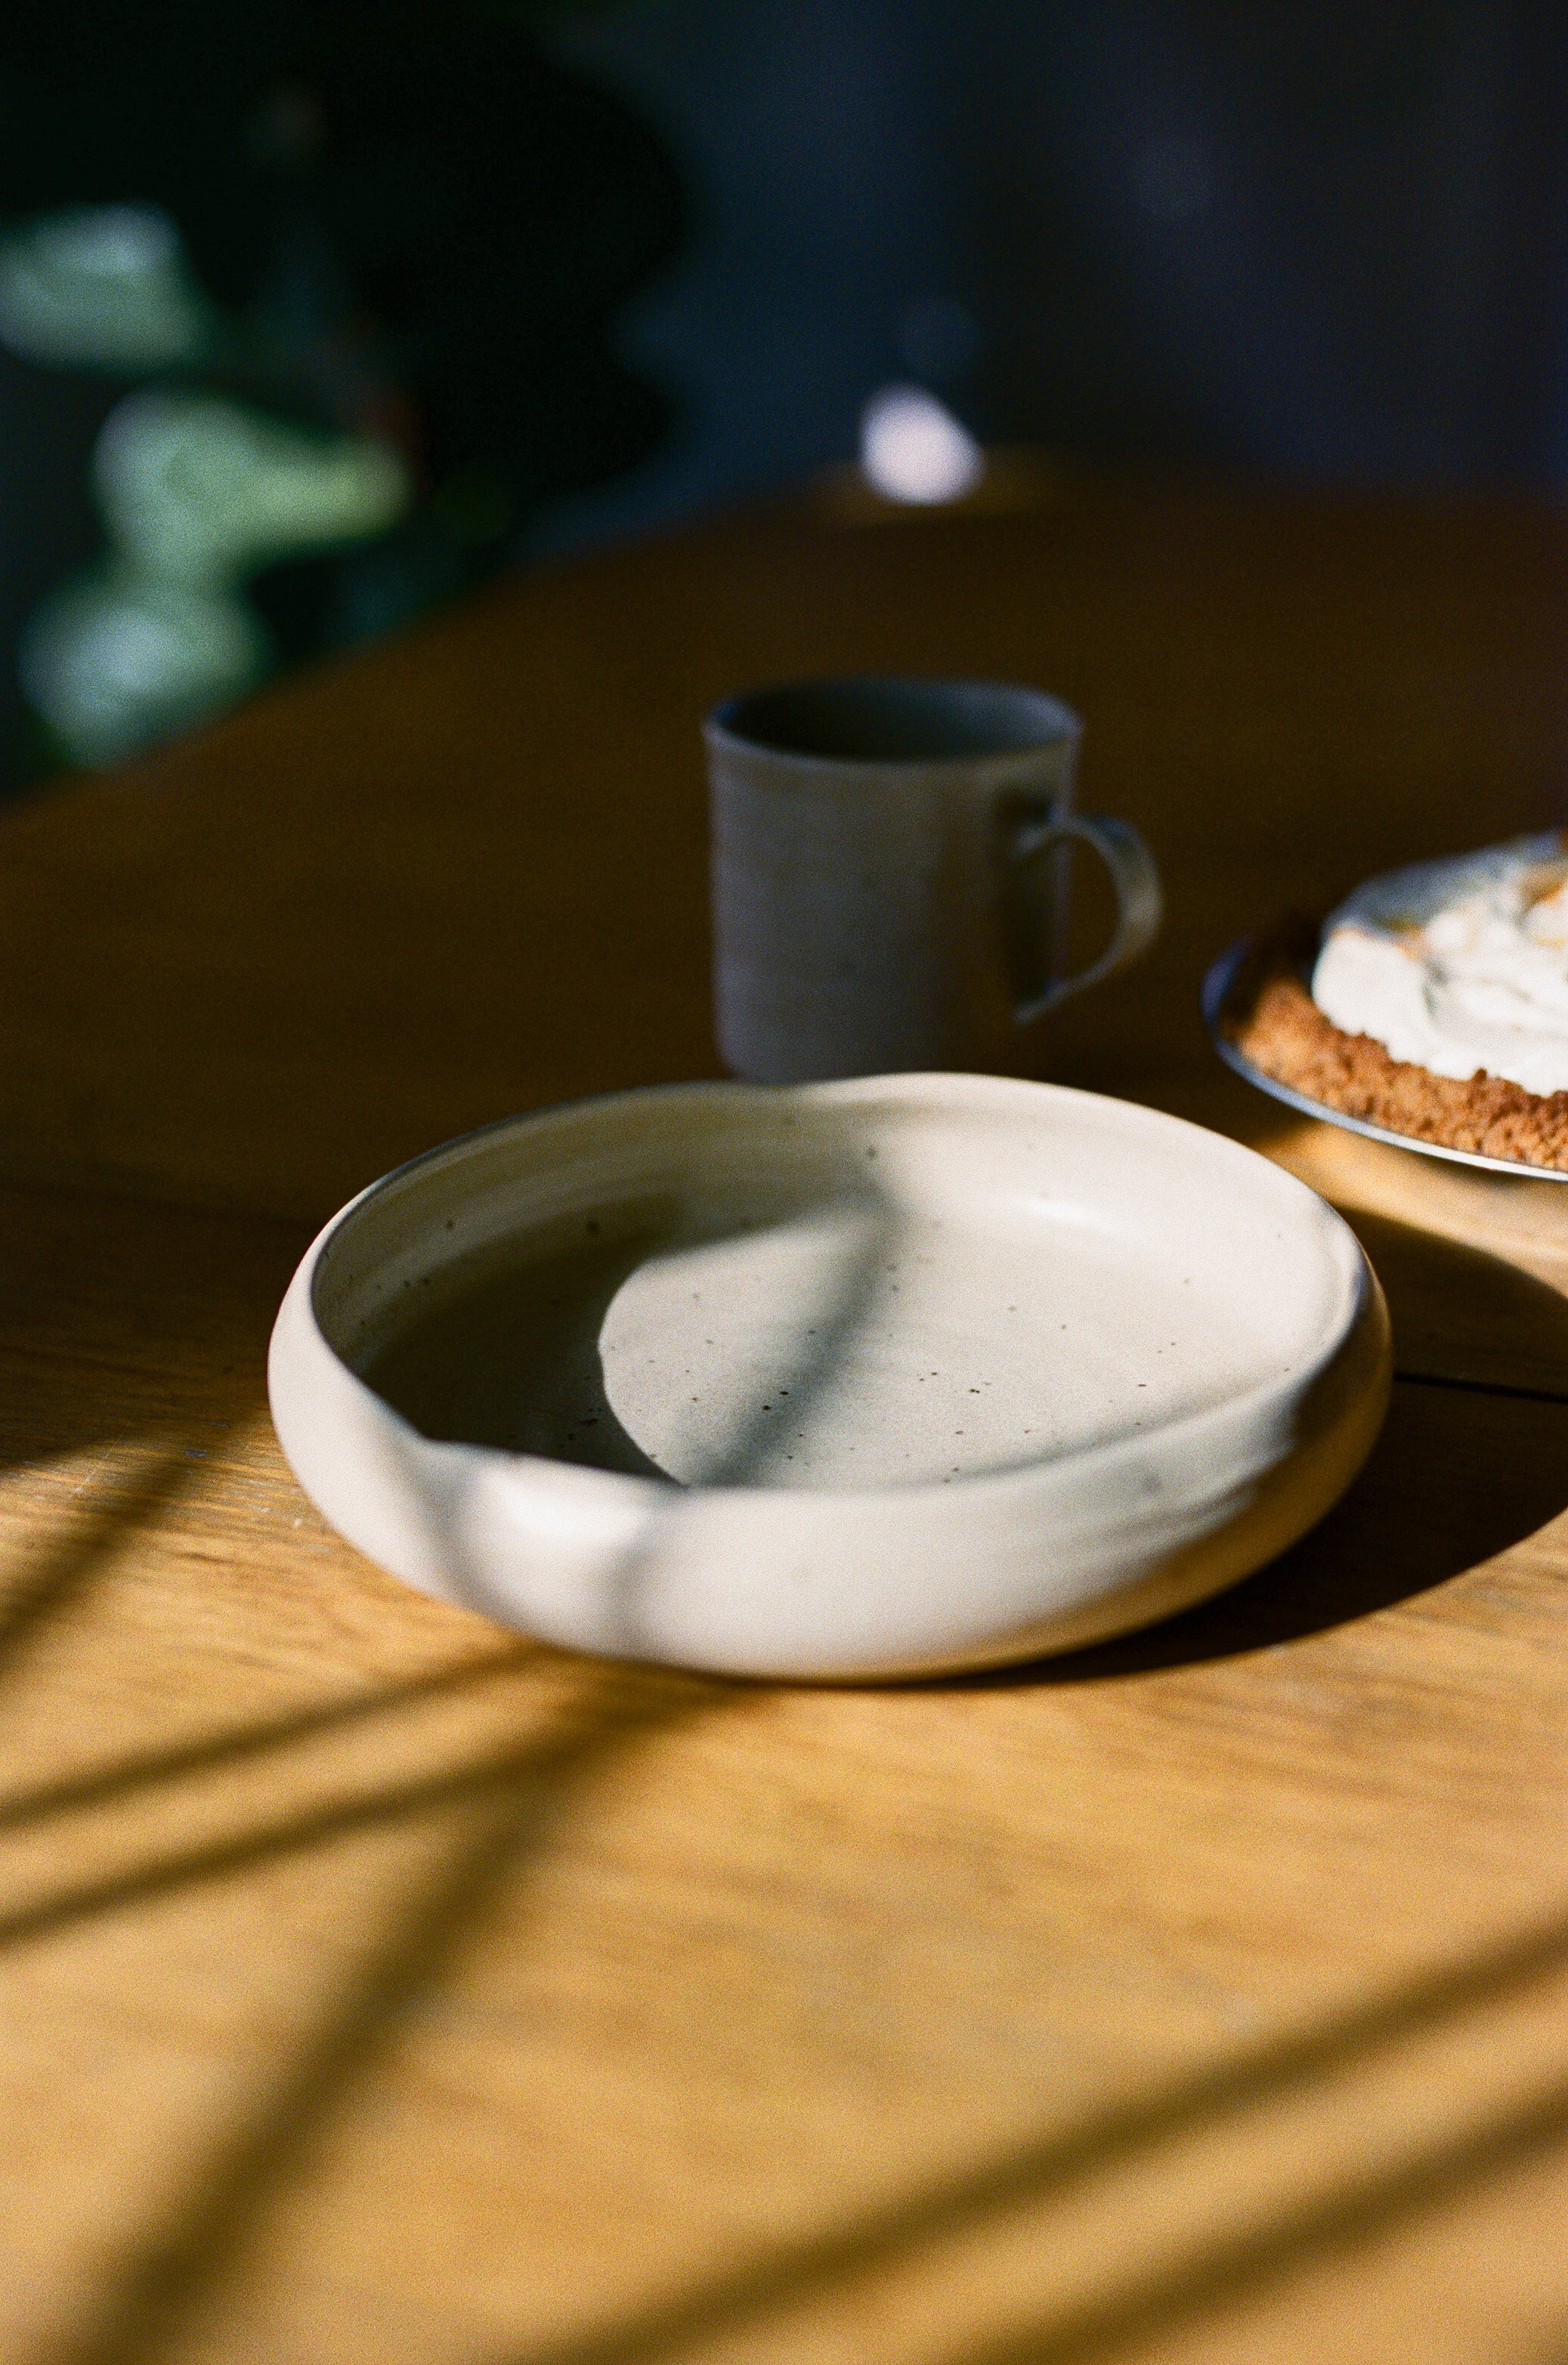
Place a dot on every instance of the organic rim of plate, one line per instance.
(895, 1579)
(1218, 986)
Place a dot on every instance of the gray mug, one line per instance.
(886, 891)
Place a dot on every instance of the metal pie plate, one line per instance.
(1218, 987)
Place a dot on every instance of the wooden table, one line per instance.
(378, 1989)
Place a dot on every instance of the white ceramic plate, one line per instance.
(1218, 987)
(874, 1377)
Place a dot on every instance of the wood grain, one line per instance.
(375, 1985)
(423, 889)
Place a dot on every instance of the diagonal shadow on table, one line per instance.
(127, 1778)
(97, 1526)
(1354, 2212)
(881, 2241)
(510, 1806)
(1326, 1579)
(308, 1829)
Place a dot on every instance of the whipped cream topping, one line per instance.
(1460, 966)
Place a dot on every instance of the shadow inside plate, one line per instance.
(511, 1357)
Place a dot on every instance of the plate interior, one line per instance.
(862, 1296)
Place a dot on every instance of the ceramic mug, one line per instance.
(885, 893)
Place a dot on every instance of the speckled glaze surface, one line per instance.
(866, 1378)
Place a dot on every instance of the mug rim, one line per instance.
(1061, 726)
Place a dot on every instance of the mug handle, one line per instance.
(1140, 900)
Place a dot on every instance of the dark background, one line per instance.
(1316, 242)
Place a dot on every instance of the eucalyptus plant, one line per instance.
(357, 264)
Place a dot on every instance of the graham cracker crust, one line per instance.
(1273, 1019)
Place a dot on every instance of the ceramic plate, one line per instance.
(873, 1377)
(1218, 986)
